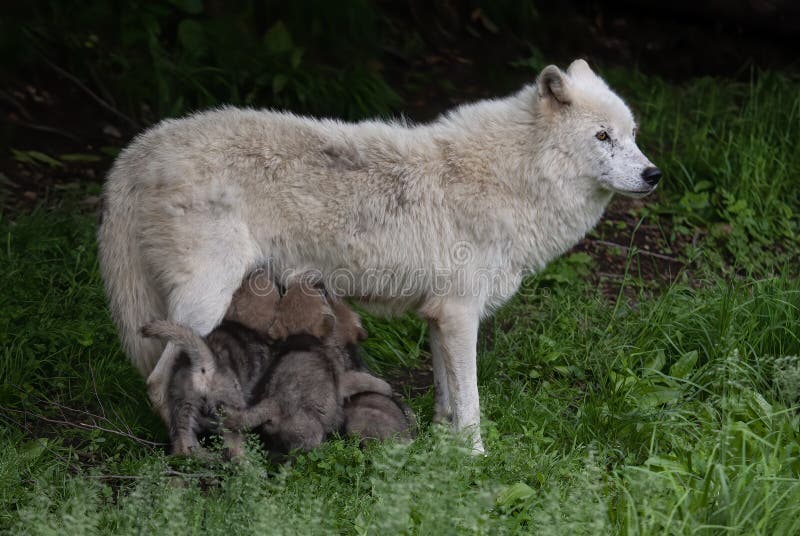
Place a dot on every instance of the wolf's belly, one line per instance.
(384, 282)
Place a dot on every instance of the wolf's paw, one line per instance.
(477, 449)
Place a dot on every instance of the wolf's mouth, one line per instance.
(635, 193)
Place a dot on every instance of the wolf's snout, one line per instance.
(651, 175)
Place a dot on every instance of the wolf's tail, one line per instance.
(186, 340)
(132, 296)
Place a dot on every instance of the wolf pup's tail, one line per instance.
(187, 340)
(133, 298)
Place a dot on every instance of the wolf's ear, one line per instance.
(579, 68)
(552, 84)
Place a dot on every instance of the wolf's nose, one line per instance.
(651, 175)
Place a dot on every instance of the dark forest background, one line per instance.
(92, 73)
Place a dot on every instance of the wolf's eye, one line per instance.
(602, 135)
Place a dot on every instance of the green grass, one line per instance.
(672, 411)
(727, 151)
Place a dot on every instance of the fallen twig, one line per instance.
(636, 250)
(45, 128)
(55, 454)
(63, 408)
(97, 98)
(169, 472)
(86, 426)
(29, 122)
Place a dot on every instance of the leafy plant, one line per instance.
(191, 55)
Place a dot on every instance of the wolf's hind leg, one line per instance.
(200, 290)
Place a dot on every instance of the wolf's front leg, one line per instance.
(457, 340)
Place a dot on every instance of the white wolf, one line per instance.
(443, 218)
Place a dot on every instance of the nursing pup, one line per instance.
(299, 401)
(296, 387)
(211, 377)
(376, 416)
(217, 374)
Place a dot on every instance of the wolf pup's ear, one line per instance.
(551, 83)
(361, 334)
(322, 326)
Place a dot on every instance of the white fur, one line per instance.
(443, 218)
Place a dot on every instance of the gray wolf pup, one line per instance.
(227, 364)
(375, 416)
(442, 218)
(220, 376)
(298, 402)
(217, 375)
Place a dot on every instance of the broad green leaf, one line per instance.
(580, 258)
(34, 157)
(701, 186)
(80, 157)
(684, 366)
(655, 363)
(514, 494)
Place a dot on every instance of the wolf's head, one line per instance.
(592, 127)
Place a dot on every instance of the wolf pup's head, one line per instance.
(594, 129)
